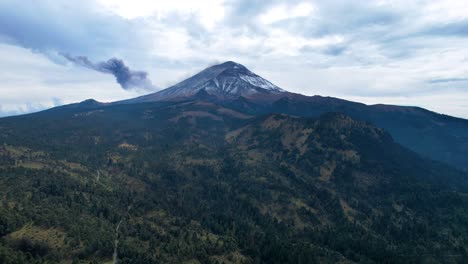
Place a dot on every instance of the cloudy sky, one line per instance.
(55, 52)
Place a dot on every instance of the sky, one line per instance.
(55, 52)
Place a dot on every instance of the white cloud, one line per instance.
(172, 43)
(281, 42)
(284, 11)
(209, 12)
(445, 11)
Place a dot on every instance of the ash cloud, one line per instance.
(127, 78)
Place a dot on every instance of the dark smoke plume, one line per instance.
(127, 78)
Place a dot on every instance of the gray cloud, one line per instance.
(128, 79)
(50, 27)
(457, 29)
(448, 80)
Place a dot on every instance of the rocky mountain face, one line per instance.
(439, 137)
(228, 80)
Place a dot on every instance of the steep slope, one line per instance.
(439, 137)
(196, 182)
(224, 81)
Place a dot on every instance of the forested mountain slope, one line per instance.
(438, 137)
(195, 182)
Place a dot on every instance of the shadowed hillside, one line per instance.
(195, 182)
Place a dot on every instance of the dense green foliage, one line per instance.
(436, 136)
(439, 137)
(193, 182)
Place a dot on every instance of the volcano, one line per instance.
(228, 80)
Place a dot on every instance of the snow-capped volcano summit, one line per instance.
(224, 81)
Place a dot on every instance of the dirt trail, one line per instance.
(115, 258)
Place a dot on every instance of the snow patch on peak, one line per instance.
(260, 82)
(228, 79)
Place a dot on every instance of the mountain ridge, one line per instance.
(439, 137)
